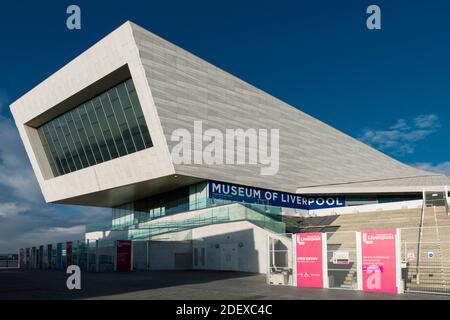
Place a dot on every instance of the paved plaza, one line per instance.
(165, 285)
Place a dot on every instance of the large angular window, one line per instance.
(108, 126)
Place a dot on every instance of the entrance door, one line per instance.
(199, 258)
(342, 260)
(228, 257)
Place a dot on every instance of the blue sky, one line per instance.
(388, 87)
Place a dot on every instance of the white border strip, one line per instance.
(325, 283)
(398, 261)
(359, 261)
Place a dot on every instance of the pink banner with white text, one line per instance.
(123, 256)
(309, 260)
(379, 268)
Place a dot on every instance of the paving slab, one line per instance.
(168, 285)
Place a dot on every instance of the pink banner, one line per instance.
(21, 258)
(123, 255)
(309, 259)
(379, 270)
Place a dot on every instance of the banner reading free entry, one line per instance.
(309, 260)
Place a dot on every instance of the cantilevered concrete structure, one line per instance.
(174, 89)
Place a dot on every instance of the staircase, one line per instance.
(406, 218)
(341, 236)
(342, 276)
(431, 271)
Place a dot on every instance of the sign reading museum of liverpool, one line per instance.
(239, 193)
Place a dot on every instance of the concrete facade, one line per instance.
(232, 246)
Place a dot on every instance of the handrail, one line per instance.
(419, 247)
(447, 209)
(217, 214)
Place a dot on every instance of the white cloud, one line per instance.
(443, 167)
(16, 176)
(400, 125)
(25, 219)
(10, 208)
(402, 137)
(427, 121)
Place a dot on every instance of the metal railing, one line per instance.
(419, 247)
(220, 214)
(447, 209)
(9, 264)
(266, 210)
(84, 251)
(432, 266)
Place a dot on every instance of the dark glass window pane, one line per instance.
(116, 109)
(101, 116)
(97, 131)
(107, 126)
(58, 147)
(76, 139)
(48, 153)
(126, 132)
(64, 145)
(139, 115)
(113, 124)
(83, 136)
(90, 134)
(70, 143)
(52, 148)
(130, 116)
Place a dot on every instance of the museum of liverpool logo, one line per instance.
(259, 147)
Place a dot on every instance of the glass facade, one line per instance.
(106, 127)
(185, 199)
(143, 210)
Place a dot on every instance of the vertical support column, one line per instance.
(325, 261)
(419, 247)
(398, 261)
(446, 201)
(115, 256)
(294, 259)
(268, 258)
(359, 261)
(405, 250)
(132, 256)
(87, 255)
(33, 249)
(193, 197)
(147, 255)
(78, 252)
(97, 259)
